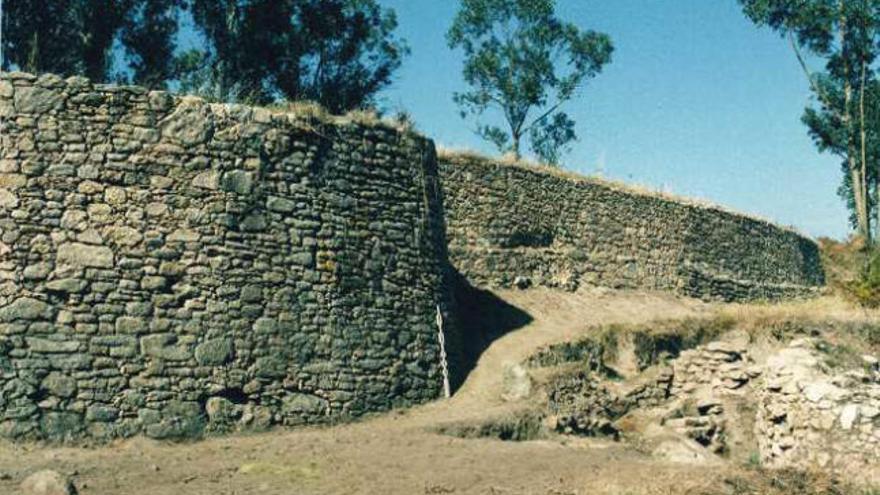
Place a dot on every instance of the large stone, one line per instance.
(6, 89)
(254, 223)
(183, 235)
(115, 196)
(37, 271)
(60, 385)
(280, 205)
(60, 426)
(207, 180)
(101, 414)
(306, 404)
(238, 181)
(125, 236)
(74, 219)
(270, 367)
(516, 382)
(68, 285)
(34, 99)
(153, 283)
(84, 255)
(25, 308)
(12, 181)
(47, 482)
(848, 416)
(8, 199)
(48, 346)
(820, 390)
(131, 325)
(191, 123)
(164, 346)
(221, 410)
(180, 419)
(214, 352)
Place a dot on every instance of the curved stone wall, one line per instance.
(507, 221)
(169, 266)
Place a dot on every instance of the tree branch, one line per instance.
(814, 85)
(544, 115)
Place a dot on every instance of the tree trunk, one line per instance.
(858, 172)
(33, 61)
(515, 147)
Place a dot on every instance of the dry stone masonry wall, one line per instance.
(812, 416)
(512, 225)
(169, 266)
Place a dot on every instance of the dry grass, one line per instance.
(831, 307)
(843, 261)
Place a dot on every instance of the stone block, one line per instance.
(68, 285)
(48, 346)
(214, 352)
(131, 325)
(60, 385)
(25, 308)
(83, 255)
(37, 100)
(165, 346)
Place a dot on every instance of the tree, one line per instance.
(350, 52)
(339, 53)
(76, 37)
(96, 24)
(36, 36)
(148, 36)
(828, 132)
(846, 34)
(524, 62)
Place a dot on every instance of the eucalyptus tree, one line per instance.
(77, 37)
(845, 34)
(339, 53)
(523, 62)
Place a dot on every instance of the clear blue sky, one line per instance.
(697, 101)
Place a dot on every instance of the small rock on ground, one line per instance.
(47, 482)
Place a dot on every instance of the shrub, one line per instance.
(865, 289)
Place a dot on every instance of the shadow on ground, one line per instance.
(481, 318)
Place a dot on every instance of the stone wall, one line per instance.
(510, 224)
(169, 266)
(811, 416)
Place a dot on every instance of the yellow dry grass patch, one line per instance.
(302, 472)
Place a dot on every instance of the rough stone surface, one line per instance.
(514, 225)
(170, 267)
(47, 482)
(811, 416)
(719, 367)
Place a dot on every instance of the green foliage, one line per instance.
(338, 53)
(866, 288)
(830, 135)
(200, 74)
(523, 61)
(846, 120)
(148, 37)
(76, 37)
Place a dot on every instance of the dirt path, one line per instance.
(396, 452)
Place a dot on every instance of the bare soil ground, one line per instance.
(400, 452)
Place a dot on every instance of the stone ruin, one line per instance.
(173, 267)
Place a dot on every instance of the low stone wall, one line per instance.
(811, 418)
(169, 266)
(510, 224)
(721, 367)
